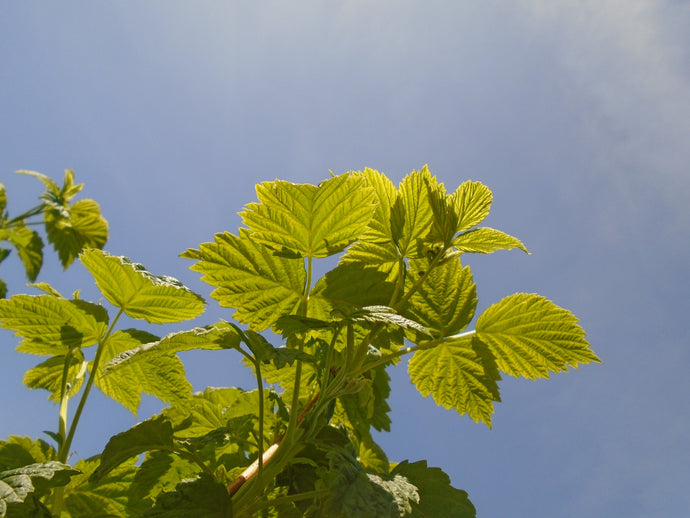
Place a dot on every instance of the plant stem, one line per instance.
(64, 450)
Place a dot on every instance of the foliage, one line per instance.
(70, 227)
(300, 444)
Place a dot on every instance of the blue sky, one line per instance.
(575, 113)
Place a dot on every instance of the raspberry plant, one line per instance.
(300, 443)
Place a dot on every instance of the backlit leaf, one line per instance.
(161, 471)
(414, 191)
(160, 375)
(249, 277)
(52, 325)
(531, 336)
(446, 300)
(377, 245)
(472, 202)
(48, 375)
(459, 373)
(302, 220)
(72, 229)
(140, 294)
(155, 433)
(486, 240)
(111, 497)
(214, 337)
(29, 247)
(21, 451)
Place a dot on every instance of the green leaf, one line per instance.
(214, 337)
(280, 356)
(354, 492)
(348, 288)
(52, 325)
(47, 181)
(161, 375)
(48, 375)
(446, 300)
(73, 229)
(459, 373)
(3, 199)
(202, 496)
(414, 191)
(369, 406)
(21, 451)
(161, 471)
(18, 483)
(472, 202)
(29, 247)
(486, 240)
(249, 277)
(531, 336)
(302, 220)
(155, 433)
(378, 244)
(3, 289)
(155, 298)
(111, 497)
(437, 498)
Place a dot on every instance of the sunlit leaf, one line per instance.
(531, 336)
(155, 433)
(446, 300)
(160, 375)
(414, 191)
(302, 220)
(472, 202)
(52, 325)
(21, 451)
(140, 294)
(214, 337)
(486, 240)
(29, 247)
(249, 277)
(460, 374)
(48, 375)
(72, 229)
(111, 497)
(377, 245)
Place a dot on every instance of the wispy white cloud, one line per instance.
(629, 58)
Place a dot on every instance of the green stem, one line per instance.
(31, 212)
(64, 451)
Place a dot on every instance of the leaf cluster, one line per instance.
(301, 442)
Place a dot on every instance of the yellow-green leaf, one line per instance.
(30, 248)
(472, 202)
(162, 375)
(414, 192)
(459, 373)
(140, 294)
(446, 300)
(486, 240)
(260, 285)
(531, 336)
(302, 220)
(73, 228)
(48, 375)
(52, 325)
